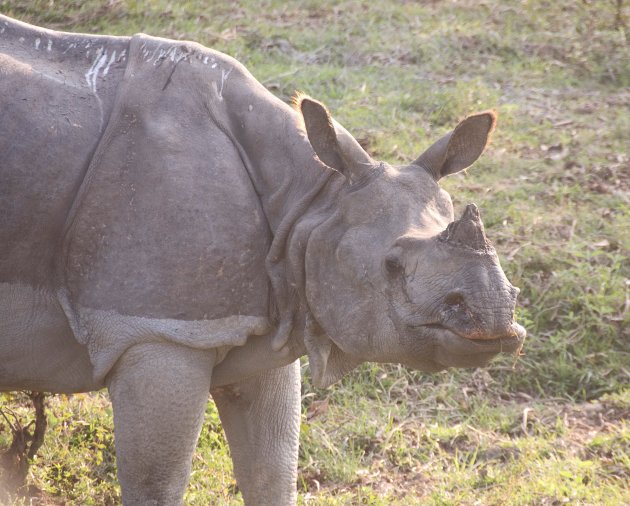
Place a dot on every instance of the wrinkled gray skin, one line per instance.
(168, 228)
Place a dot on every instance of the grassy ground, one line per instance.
(554, 190)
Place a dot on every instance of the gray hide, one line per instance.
(169, 228)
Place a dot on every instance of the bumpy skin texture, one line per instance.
(159, 393)
(169, 228)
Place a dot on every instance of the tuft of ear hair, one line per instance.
(296, 102)
(492, 116)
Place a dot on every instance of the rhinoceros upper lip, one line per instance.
(514, 338)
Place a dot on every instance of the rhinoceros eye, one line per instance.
(393, 264)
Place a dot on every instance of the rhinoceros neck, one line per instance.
(285, 174)
(277, 156)
(294, 207)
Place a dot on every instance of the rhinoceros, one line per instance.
(169, 229)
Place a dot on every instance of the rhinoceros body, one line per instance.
(169, 228)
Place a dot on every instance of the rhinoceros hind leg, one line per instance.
(261, 418)
(159, 392)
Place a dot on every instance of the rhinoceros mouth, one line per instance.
(449, 337)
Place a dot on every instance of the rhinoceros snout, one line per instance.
(453, 350)
(478, 317)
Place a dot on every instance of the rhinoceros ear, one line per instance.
(332, 143)
(461, 147)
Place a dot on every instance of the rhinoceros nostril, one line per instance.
(454, 299)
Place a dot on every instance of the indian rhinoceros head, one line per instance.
(391, 276)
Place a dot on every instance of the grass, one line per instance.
(554, 191)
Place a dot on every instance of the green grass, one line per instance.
(554, 191)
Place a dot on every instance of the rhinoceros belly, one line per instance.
(37, 348)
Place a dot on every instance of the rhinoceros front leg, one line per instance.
(159, 392)
(261, 418)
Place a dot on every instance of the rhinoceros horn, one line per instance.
(468, 231)
(331, 142)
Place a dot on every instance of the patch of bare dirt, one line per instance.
(593, 416)
(381, 478)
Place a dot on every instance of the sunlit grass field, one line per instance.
(553, 188)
